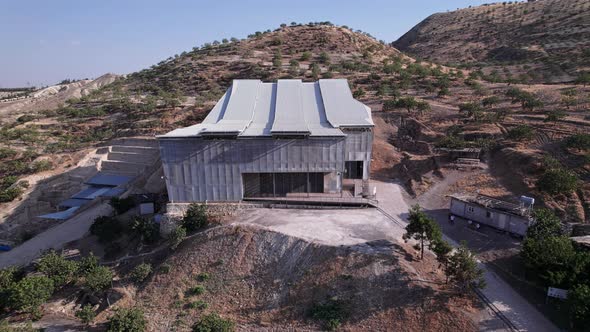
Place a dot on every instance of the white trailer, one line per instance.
(492, 212)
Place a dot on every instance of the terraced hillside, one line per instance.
(418, 107)
(535, 41)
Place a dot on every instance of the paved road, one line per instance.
(519, 311)
(54, 237)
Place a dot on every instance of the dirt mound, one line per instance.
(262, 279)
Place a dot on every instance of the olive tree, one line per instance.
(423, 229)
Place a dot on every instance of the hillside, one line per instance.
(272, 281)
(535, 41)
(526, 133)
(51, 97)
(418, 107)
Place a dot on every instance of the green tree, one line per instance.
(86, 314)
(554, 116)
(140, 272)
(578, 142)
(57, 268)
(568, 97)
(359, 93)
(294, 67)
(195, 218)
(462, 269)
(146, 229)
(583, 78)
(527, 100)
(277, 60)
(383, 90)
(409, 103)
(558, 181)
(30, 292)
(324, 58)
(422, 107)
(315, 70)
(213, 323)
(305, 56)
(423, 229)
(87, 264)
(107, 229)
(490, 101)
(176, 237)
(442, 250)
(549, 258)
(8, 278)
(127, 320)
(521, 133)
(471, 108)
(98, 279)
(546, 224)
(579, 299)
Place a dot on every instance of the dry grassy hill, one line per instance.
(450, 109)
(535, 41)
(517, 126)
(271, 281)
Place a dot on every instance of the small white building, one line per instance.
(485, 210)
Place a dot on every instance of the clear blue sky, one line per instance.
(43, 42)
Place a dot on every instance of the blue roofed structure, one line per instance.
(61, 215)
(91, 192)
(111, 180)
(72, 202)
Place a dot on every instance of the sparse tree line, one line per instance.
(552, 259)
(14, 164)
(458, 264)
(26, 290)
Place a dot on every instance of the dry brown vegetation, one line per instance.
(257, 290)
(535, 41)
(461, 108)
(273, 280)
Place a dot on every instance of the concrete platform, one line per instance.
(330, 226)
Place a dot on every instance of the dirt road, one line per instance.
(519, 311)
(54, 237)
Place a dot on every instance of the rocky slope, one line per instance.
(536, 41)
(271, 281)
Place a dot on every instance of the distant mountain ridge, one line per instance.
(547, 40)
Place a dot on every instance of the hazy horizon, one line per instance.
(52, 41)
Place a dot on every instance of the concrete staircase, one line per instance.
(130, 156)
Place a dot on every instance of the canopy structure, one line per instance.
(61, 215)
(109, 180)
(251, 108)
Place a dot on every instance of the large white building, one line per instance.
(270, 139)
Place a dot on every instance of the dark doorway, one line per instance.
(354, 170)
(280, 184)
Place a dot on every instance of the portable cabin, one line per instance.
(485, 210)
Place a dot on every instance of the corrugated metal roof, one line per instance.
(61, 215)
(264, 112)
(68, 203)
(102, 179)
(91, 193)
(113, 192)
(251, 108)
(341, 108)
(289, 116)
